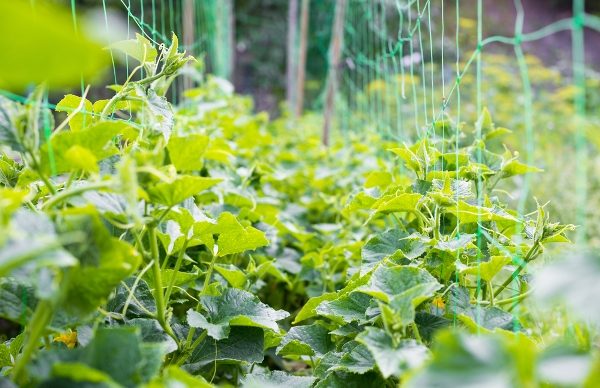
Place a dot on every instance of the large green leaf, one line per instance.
(104, 261)
(234, 308)
(47, 50)
(353, 357)
(186, 151)
(347, 308)
(403, 288)
(133, 298)
(488, 317)
(243, 344)
(97, 140)
(307, 340)
(31, 241)
(131, 362)
(392, 243)
(350, 380)
(460, 360)
(393, 359)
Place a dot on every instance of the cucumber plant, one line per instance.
(156, 245)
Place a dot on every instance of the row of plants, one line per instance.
(392, 105)
(148, 244)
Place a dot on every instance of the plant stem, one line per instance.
(40, 319)
(158, 286)
(188, 346)
(43, 177)
(415, 330)
(208, 275)
(175, 270)
(58, 198)
(528, 257)
(501, 302)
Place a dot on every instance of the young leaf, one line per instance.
(183, 187)
(235, 238)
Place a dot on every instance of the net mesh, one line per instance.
(409, 64)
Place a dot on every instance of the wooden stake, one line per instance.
(335, 51)
(291, 55)
(189, 33)
(304, 14)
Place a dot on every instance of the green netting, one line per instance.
(402, 71)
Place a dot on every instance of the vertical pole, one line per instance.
(231, 38)
(188, 33)
(291, 54)
(304, 14)
(578, 53)
(335, 49)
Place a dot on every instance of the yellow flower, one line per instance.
(68, 338)
(438, 302)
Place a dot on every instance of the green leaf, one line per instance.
(348, 308)
(152, 332)
(474, 316)
(467, 213)
(173, 376)
(310, 340)
(234, 276)
(54, 54)
(309, 309)
(486, 270)
(5, 356)
(10, 113)
(139, 301)
(514, 167)
(403, 287)
(181, 188)
(18, 300)
(393, 359)
(83, 118)
(405, 202)
(104, 262)
(391, 243)
(276, 379)
(234, 308)
(244, 344)
(350, 380)
(131, 361)
(461, 360)
(81, 373)
(353, 357)
(31, 241)
(96, 141)
(235, 238)
(186, 151)
(159, 114)
(139, 48)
